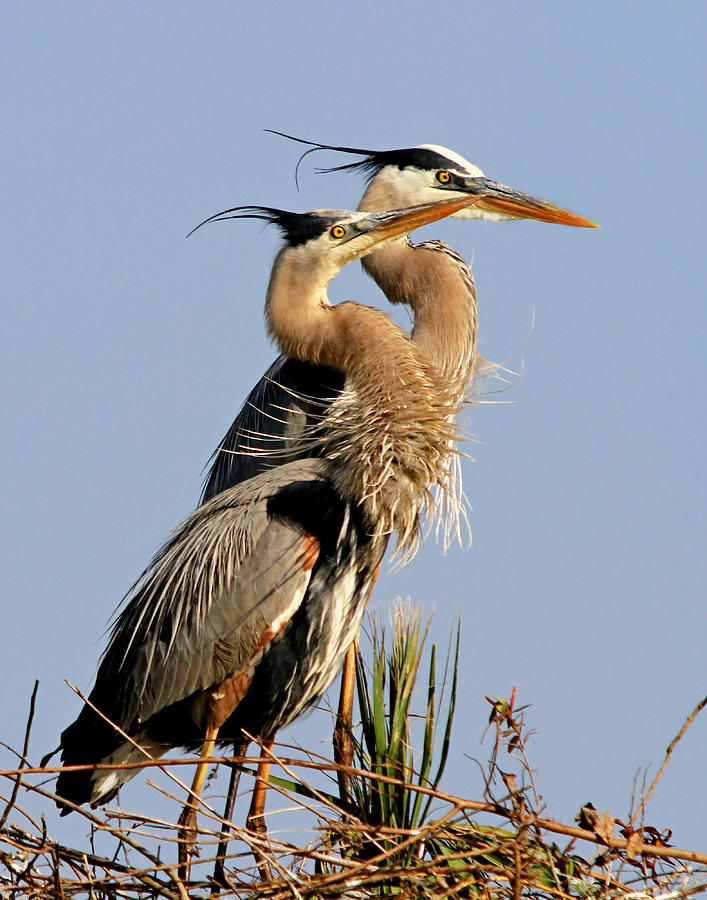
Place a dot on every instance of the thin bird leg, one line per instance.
(342, 739)
(187, 820)
(239, 749)
(256, 815)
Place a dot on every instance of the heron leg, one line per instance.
(342, 740)
(256, 815)
(239, 749)
(187, 820)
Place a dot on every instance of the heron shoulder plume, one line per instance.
(389, 437)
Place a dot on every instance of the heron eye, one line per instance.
(338, 231)
(444, 177)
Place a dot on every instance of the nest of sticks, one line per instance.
(384, 827)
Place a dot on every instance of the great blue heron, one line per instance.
(429, 277)
(243, 618)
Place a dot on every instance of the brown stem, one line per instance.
(668, 753)
(23, 761)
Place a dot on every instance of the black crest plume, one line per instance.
(296, 228)
(373, 160)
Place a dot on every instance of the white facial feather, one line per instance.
(409, 186)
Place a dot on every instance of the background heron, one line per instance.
(243, 618)
(434, 281)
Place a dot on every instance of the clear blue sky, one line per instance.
(126, 349)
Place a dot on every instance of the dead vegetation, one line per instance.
(382, 828)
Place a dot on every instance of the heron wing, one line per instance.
(282, 410)
(224, 586)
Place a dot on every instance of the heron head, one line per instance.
(414, 175)
(321, 242)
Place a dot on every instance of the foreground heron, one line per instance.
(244, 617)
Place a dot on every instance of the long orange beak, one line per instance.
(394, 222)
(506, 201)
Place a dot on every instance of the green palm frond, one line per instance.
(395, 720)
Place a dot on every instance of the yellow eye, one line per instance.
(444, 177)
(338, 231)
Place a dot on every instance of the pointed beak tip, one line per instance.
(584, 223)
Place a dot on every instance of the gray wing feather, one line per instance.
(284, 408)
(228, 574)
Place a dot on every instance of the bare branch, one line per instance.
(668, 753)
(25, 749)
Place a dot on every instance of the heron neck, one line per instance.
(389, 440)
(437, 284)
